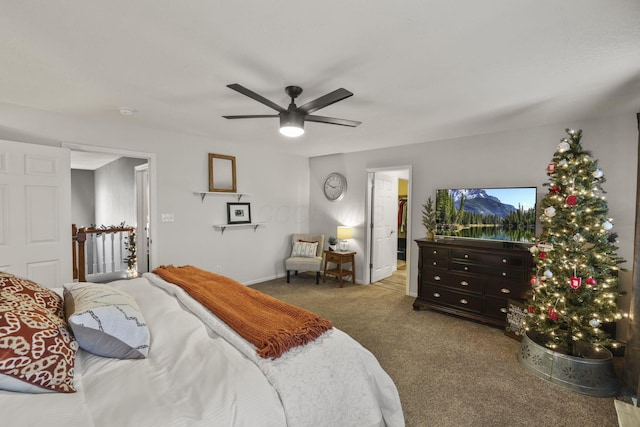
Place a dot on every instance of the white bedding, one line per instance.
(200, 372)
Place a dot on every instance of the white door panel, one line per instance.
(385, 225)
(35, 223)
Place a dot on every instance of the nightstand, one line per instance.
(339, 258)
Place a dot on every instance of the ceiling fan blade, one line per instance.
(332, 121)
(259, 116)
(251, 94)
(325, 100)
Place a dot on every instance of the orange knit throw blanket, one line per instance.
(271, 325)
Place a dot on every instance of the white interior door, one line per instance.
(35, 212)
(385, 226)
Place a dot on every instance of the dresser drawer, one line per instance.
(507, 289)
(445, 296)
(428, 262)
(508, 273)
(454, 281)
(495, 307)
(515, 260)
(430, 252)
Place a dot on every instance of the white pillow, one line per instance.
(106, 321)
(304, 249)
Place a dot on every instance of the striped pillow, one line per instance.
(304, 249)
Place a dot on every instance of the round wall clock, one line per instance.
(335, 186)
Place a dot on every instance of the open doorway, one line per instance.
(389, 226)
(111, 187)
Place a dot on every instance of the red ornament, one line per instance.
(531, 309)
(535, 281)
(543, 255)
(551, 167)
(555, 189)
(553, 314)
(572, 200)
(575, 282)
(591, 281)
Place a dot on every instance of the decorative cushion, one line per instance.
(106, 321)
(40, 295)
(304, 249)
(37, 351)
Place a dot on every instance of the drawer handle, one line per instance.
(464, 301)
(466, 268)
(437, 295)
(505, 291)
(435, 263)
(503, 310)
(466, 255)
(436, 277)
(464, 283)
(504, 260)
(435, 252)
(504, 274)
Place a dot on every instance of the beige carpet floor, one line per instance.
(397, 280)
(448, 371)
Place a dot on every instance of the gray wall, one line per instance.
(515, 158)
(115, 190)
(286, 190)
(83, 211)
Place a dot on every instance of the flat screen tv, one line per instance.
(505, 214)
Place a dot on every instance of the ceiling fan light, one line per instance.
(291, 131)
(291, 124)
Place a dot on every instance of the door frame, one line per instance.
(142, 208)
(153, 204)
(368, 216)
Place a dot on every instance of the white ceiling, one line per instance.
(420, 70)
(90, 160)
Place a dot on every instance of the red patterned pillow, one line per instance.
(37, 351)
(40, 295)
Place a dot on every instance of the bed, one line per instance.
(198, 371)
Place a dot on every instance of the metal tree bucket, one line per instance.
(590, 376)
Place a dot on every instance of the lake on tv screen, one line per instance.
(487, 213)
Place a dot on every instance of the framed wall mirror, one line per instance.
(222, 173)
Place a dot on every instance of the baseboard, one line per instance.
(264, 279)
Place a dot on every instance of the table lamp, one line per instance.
(343, 234)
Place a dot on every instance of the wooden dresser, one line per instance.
(472, 278)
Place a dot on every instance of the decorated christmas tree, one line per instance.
(575, 283)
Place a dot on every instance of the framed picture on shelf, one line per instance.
(238, 213)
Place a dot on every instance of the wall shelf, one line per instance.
(223, 227)
(204, 194)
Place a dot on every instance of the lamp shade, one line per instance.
(344, 232)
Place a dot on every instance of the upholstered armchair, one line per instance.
(306, 254)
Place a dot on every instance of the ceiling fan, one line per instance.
(292, 119)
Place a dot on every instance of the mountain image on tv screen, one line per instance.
(487, 213)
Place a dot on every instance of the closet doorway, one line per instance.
(389, 226)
